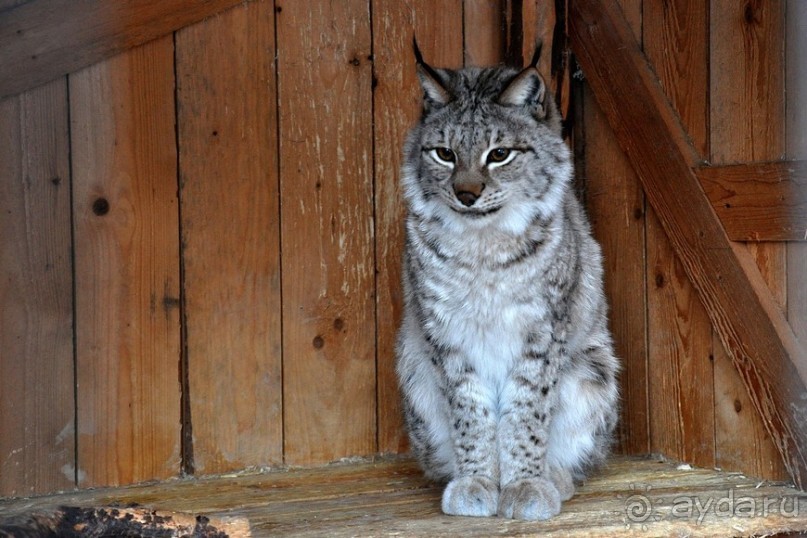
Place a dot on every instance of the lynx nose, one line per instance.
(468, 193)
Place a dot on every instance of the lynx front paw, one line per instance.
(562, 479)
(531, 498)
(471, 496)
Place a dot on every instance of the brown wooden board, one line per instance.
(627, 497)
(227, 110)
(483, 32)
(747, 93)
(326, 166)
(759, 201)
(679, 333)
(680, 377)
(751, 326)
(616, 206)
(396, 105)
(44, 39)
(37, 426)
(126, 266)
(747, 124)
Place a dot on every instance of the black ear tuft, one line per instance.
(536, 55)
(416, 49)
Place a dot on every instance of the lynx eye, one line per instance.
(499, 157)
(443, 156)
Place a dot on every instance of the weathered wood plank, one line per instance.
(523, 24)
(44, 39)
(329, 374)
(616, 207)
(37, 423)
(615, 203)
(675, 40)
(396, 100)
(627, 497)
(483, 32)
(759, 201)
(748, 101)
(747, 123)
(127, 267)
(751, 326)
(227, 121)
(680, 375)
(747, 94)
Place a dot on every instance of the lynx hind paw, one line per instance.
(531, 498)
(471, 496)
(563, 481)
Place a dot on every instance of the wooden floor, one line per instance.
(628, 497)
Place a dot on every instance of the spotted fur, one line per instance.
(504, 358)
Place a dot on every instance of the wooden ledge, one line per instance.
(630, 496)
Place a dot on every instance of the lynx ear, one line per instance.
(434, 90)
(527, 88)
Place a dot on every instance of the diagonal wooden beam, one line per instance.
(42, 40)
(759, 201)
(753, 328)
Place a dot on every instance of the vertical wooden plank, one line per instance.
(796, 117)
(325, 76)
(538, 19)
(127, 267)
(679, 331)
(539, 23)
(616, 206)
(397, 97)
(37, 427)
(227, 111)
(680, 349)
(747, 124)
(483, 32)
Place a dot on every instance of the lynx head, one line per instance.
(487, 150)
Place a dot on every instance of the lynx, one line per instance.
(504, 358)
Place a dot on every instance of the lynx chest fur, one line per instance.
(476, 302)
(504, 359)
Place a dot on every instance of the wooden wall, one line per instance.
(201, 234)
(725, 66)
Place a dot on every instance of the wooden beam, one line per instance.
(44, 39)
(763, 348)
(759, 201)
